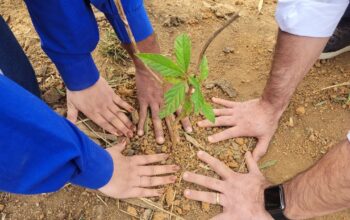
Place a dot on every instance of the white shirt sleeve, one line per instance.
(310, 18)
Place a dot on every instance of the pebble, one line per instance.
(312, 138)
(300, 110)
(169, 196)
(239, 141)
(132, 211)
(160, 216)
(146, 214)
(228, 50)
(205, 206)
(291, 122)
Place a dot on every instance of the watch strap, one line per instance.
(278, 216)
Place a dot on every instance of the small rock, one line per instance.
(132, 211)
(146, 214)
(160, 216)
(291, 122)
(2, 207)
(222, 10)
(186, 207)
(51, 96)
(169, 196)
(205, 206)
(228, 50)
(300, 110)
(312, 138)
(239, 141)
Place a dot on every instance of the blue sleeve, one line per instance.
(136, 15)
(69, 33)
(41, 151)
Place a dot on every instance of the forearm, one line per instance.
(294, 56)
(323, 189)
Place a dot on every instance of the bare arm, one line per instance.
(323, 189)
(294, 56)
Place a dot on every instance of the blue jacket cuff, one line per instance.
(98, 168)
(78, 71)
(139, 22)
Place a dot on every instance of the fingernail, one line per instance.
(160, 191)
(189, 130)
(185, 175)
(140, 133)
(187, 192)
(210, 139)
(173, 178)
(200, 153)
(176, 168)
(160, 140)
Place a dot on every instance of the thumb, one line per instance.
(251, 163)
(121, 146)
(260, 149)
(72, 113)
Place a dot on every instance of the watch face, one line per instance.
(274, 198)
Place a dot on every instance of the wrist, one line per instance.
(292, 211)
(273, 109)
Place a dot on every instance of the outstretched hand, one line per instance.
(132, 176)
(254, 118)
(241, 195)
(150, 95)
(102, 106)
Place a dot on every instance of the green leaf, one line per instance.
(268, 164)
(187, 108)
(204, 69)
(183, 51)
(161, 64)
(174, 97)
(208, 112)
(173, 80)
(197, 96)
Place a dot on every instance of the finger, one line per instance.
(148, 159)
(186, 123)
(226, 134)
(123, 104)
(219, 121)
(143, 118)
(208, 182)
(72, 113)
(117, 123)
(103, 123)
(218, 166)
(223, 112)
(251, 163)
(261, 148)
(202, 196)
(157, 124)
(157, 170)
(142, 192)
(120, 146)
(146, 181)
(117, 112)
(223, 102)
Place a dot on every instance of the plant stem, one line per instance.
(213, 36)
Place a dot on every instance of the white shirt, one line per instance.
(310, 18)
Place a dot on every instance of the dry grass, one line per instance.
(111, 47)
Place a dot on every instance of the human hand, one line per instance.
(102, 106)
(241, 195)
(150, 95)
(254, 118)
(132, 177)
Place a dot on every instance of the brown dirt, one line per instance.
(241, 55)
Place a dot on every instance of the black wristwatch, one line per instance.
(274, 202)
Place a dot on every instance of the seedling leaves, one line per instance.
(204, 69)
(161, 64)
(183, 51)
(208, 112)
(174, 97)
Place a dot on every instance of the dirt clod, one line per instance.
(300, 110)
